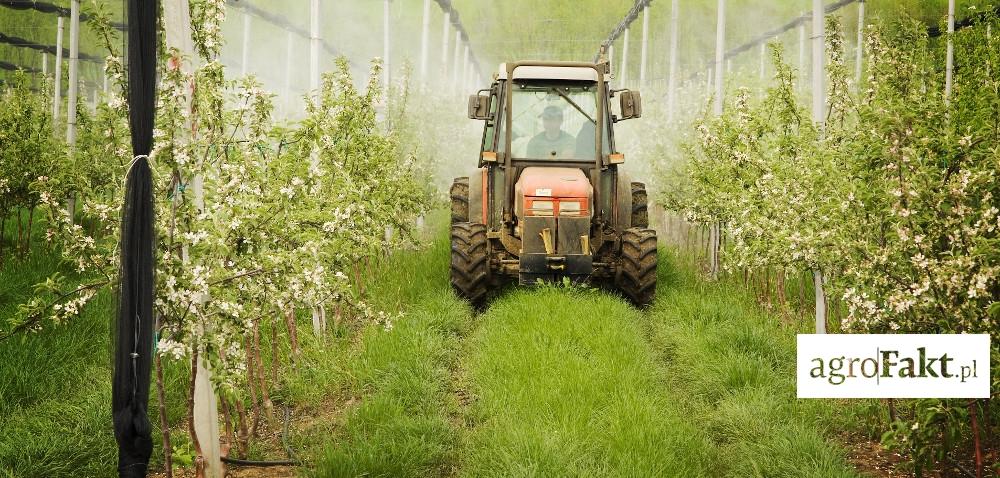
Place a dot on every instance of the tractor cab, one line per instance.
(547, 197)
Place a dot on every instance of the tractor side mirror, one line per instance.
(479, 107)
(631, 104)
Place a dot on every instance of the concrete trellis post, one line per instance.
(45, 63)
(245, 58)
(289, 43)
(424, 37)
(464, 81)
(454, 61)
(720, 52)
(645, 41)
(672, 79)
(950, 60)
(708, 82)
(819, 115)
(444, 44)
(467, 76)
(859, 51)
(177, 24)
(74, 91)
(763, 54)
(818, 60)
(624, 68)
(314, 47)
(57, 84)
(387, 65)
(74, 72)
(802, 51)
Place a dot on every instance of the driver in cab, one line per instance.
(552, 142)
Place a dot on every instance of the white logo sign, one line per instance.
(893, 366)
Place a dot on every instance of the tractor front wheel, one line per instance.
(460, 200)
(636, 276)
(640, 212)
(470, 264)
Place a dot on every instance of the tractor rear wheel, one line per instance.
(640, 214)
(636, 275)
(460, 200)
(470, 261)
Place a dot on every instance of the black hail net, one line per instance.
(133, 324)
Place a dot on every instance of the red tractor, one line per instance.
(549, 200)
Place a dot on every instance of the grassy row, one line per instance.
(578, 383)
(565, 384)
(55, 385)
(732, 368)
(401, 421)
(547, 382)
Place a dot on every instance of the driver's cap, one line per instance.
(552, 112)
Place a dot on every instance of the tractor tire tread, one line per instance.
(460, 200)
(637, 269)
(470, 266)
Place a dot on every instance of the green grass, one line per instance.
(546, 382)
(733, 368)
(565, 384)
(401, 376)
(55, 385)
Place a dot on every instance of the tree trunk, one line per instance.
(268, 406)
(243, 439)
(275, 358)
(20, 232)
(31, 220)
(3, 233)
(164, 424)
(227, 418)
(254, 404)
(293, 335)
(199, 460)
(779, 284)
(978, 447)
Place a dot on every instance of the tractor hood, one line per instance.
(556, 183)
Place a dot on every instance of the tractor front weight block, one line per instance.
(553, 267)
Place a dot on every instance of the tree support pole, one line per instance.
(643, 50)
(57, 84)
(859, 51)
(818, 115)
(624, 68)
(672, 80)
(950, 60)
(424, 38)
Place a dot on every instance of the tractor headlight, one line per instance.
(570, 208)
(540, 208)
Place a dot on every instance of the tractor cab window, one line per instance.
(554, 121)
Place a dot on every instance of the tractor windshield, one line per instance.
(554, 121)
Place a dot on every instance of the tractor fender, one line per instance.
(477, 196)
(623, 202)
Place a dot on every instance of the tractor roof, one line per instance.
(552, 72)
